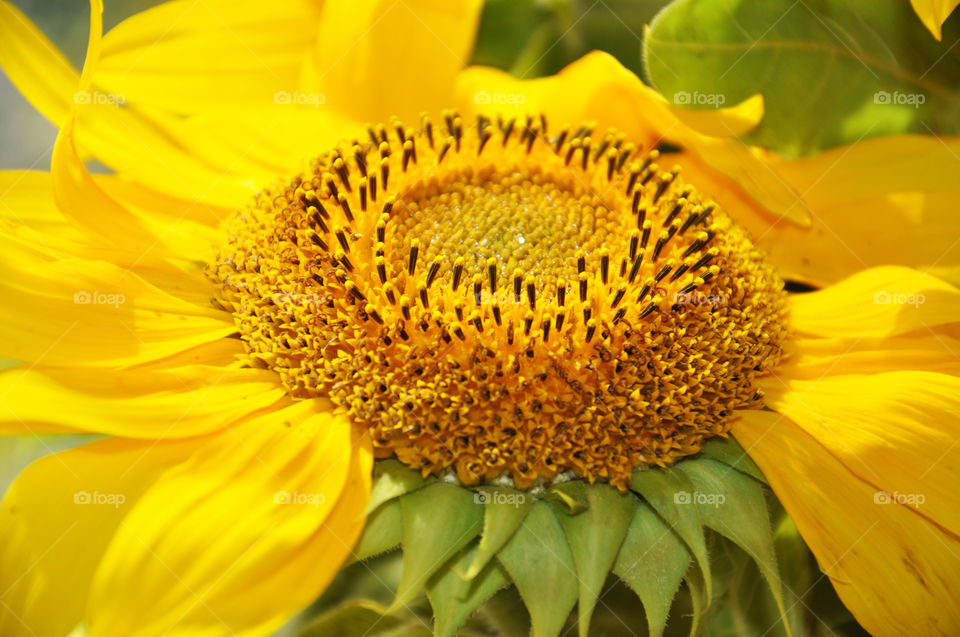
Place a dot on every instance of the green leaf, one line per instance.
(454, 599)
(540, 564)
(382, 531)
(438, 521)
(729, 452)
(504, 510)
(391, 479)
(831, 71)
(668, 492)
(594, 537)
(652, 561)
(734, 505)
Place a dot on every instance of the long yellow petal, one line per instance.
(878, 302)
(934, 13)
(895, 430)
(67, 311)
(35, 66)
(377, 58)
(219, 55)
(895, 569)
(927, 351)
(56, 521)
(598, 88)
(154, 403)
(247, 532)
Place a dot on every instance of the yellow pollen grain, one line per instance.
(496, 301)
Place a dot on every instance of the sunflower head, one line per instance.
(503, 303)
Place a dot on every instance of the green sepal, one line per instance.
(661, 488)
(454, 599)
(382, 531)
(729, 452)
(538, 560)
(594, 536)
(363, 618)
(438, 520)
(570, 497)
(741, 516)
(504, 511)
(652, 561)
(392, 479)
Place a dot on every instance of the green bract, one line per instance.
(557, 548)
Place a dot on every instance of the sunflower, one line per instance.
(560, 296)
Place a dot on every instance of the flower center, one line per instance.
(503, 303)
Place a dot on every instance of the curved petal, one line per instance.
(599, 89)
(377, 58)
(934, 13)
(878, 201)
(35, 66)
(72, 311)
(216, 55)
(153, 403)
(895, 570)
(56, 521)
(879, 302)
(896, 430)
(247, 532)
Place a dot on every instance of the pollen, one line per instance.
(497, 301)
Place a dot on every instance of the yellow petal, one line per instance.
(35, 66)
(737, 120)
(880, 201)
(150, 403)
(934, 13)
(879, 302)
(378, 58)
(599, 89)
(895, 569)
(215, 55)
(57, 519)
(65, 311)
(928, 351)
(247, 532)
(895, 430)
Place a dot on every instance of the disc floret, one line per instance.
(496, 300)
